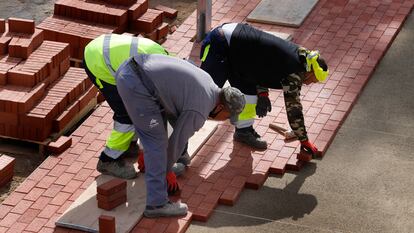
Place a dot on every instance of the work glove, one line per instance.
(172, 183)
(309, 147)
(141, 164)
(263, 104)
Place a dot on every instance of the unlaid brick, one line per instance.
(60, 145)
(149, 21)
(107, 224)
(111, 205)
(111, 186)
(2, 25)
(162, 31)
(6, 169)
(168, 12)
(21, 25)
(138, 9)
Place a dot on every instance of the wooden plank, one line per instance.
(287, 13)
(84, 213)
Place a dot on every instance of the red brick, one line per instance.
(162, 31)
(112, 186)
(107, 224)
(278, 166)
(294, 164)
(256, 180)
(137, 10)
(230, 196)
(87, 97)
(112, 204)
(6, 169)
(21, 25)
(168, 12)
(112, 197)
(65, 118)
(59, 145)
(203, 212)
(2, 25)
(20, 78)
(149, 21)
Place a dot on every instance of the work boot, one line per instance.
(118, 168)
(185, 159)
(177, 168)
(168, 210)
(250, 137)
(132, 151)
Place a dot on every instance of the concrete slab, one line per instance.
(83, 214)
(288, 13)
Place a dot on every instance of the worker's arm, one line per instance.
(185, 126)
(291, 90)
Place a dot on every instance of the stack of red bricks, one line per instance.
(111, 194)
(6, 169)
(39, 93)
(77, 22)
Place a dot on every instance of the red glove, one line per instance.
(172, 183)
(141, 164)
(309, 147)
(263, 104)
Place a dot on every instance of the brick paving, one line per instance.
(352, 36)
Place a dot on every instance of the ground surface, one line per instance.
(39, 10)
(364, 182)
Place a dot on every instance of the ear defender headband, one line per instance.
(312, 63)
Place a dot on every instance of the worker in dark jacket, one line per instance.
(156, 88)
(253, 61)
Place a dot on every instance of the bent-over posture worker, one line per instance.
(253, 61)
(103, 56)
(156, 88)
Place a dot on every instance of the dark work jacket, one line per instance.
(259, 58)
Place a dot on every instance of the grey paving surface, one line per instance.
(363, 184)
(282, 12)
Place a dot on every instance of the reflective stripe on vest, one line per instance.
(118, 48)
(246, 117)
(120, 139)
(133, 50)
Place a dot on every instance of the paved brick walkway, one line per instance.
(352, 35)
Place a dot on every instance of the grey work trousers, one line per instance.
(147, 115)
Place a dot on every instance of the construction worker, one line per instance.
(102, 58)
(156, 88)
(253, 61)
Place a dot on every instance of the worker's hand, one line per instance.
(309, 147)
(141, 163)
(263, 104)
(172, 183)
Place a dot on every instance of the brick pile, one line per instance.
(111, 194)
(77, 22)
(39, 93)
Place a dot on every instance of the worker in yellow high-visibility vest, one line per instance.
(102, 58)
